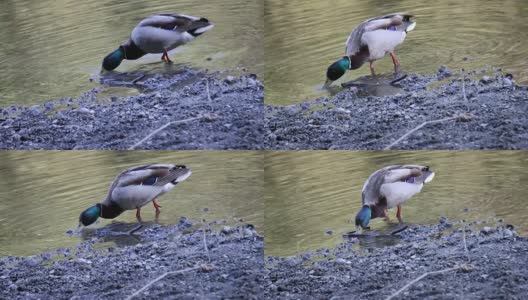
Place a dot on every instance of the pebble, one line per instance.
(487, 230)
(230, 79)
(486, 79)
(228, 230)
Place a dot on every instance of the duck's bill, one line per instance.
(327, 83)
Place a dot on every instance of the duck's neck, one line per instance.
(132, 51)
(110, 211)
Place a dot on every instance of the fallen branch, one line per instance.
(463, 117)
(160, 278)
(420, 278)
(465, 245)
(205, 245)
(165, 126)
(207, 89)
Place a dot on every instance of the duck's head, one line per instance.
(363, 218)
(114, 59)
(336, 70)
(90, 215)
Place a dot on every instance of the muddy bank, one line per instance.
(208, 111)
(493, 267)
(231, 267)
(491, 116)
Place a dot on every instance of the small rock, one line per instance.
(230, 79)
(227, 230)
(487, 230)
(329, 232)
(85, 110)
(486, 79)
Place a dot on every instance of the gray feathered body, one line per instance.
(164, 32)
(375, 37)
(138, 186)
(393, 185)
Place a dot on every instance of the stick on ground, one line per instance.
(163, 127)
(160, 278)
(420, 278)
(417, 128)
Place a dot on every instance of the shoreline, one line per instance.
(170, 261)
(485, 112)
(482, 261)
(190, 110)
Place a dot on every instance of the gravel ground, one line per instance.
(231, 268)
(494, 267)
(493, 116)
(231, 119)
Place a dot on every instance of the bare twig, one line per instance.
(465, 244)
(417, 128)
(163, 127)
(135, 80)
(205, 245)
(420, 278)
(160, 278)
(207, 89)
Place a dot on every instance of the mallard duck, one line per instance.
(390, 187)
(158, 34)
(134, 188)
(370, 41)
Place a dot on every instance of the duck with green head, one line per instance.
(370, 41)
(158, 34)
(134, 188)
(390, 187)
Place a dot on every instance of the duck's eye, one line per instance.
(204, 20)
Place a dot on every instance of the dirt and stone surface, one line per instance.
(493, 267)
(210, 111)
(491, 116)
(230, 268)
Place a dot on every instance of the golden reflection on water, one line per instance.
(308, 193)
(303, 37)
(42, 193)
(50, 49)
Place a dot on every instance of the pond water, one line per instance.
(308, 193)
(50, 49)
(42, 193)
(303, 37)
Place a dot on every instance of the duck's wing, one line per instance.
(144, 183)
(395, 21)
(403, 182)
(412, 174)
(175, 22)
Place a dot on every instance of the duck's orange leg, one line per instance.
(371, 66)
(156, 206)
(165, 57)
(398, 213)
(387, 219)
(395, 62)
(138, 213)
